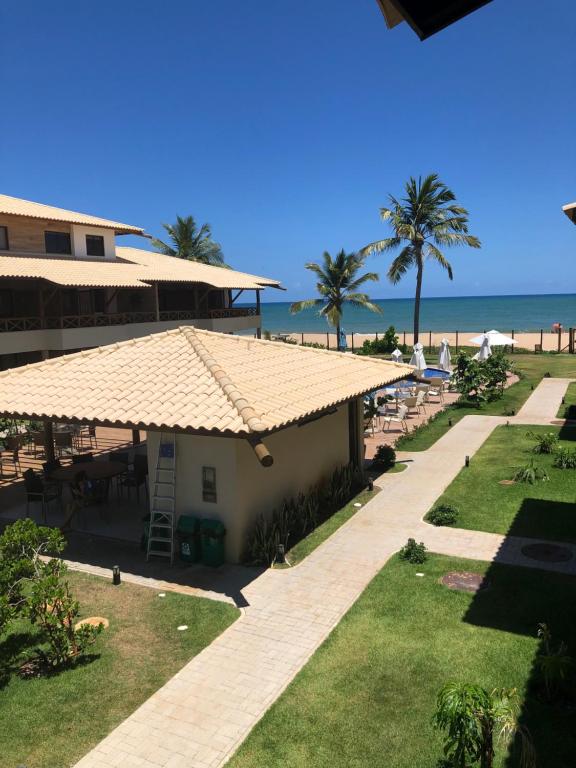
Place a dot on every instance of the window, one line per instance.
(94, 245)
(57, 242)
(3, 238)
(209, 484)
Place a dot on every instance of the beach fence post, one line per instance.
(512, 345)
(302, 340)
(327, 340)
(352, 341)
(430, 342)
(404, 342)
(456, 341)
(571, 340)
(376, 335)
(559, 338)
(541, 339)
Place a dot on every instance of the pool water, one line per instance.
(436, 372)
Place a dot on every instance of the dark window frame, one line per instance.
(49, 232)
(209, 492)
(100, 239)
(5, 229)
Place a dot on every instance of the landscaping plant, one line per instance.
(414, 552)
(544, 443)
(565, 458)
(530, 474)
(474, 720)
(442, 514)
(555, 665)
(383, 345)
(384, 458)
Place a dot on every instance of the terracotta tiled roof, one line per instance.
(193, 380)
(15, 206)
(158, 267)
(134, 268)
(73, 272)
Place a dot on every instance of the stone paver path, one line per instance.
(205, 711)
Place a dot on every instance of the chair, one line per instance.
(82, 458)
(37, 490)
(38, 442)
(411, 404)
(63, 443)
(12, 445)
(399, 418)
(88, 432)
(136, 477)
(437, 388)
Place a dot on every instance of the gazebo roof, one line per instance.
(191, 380)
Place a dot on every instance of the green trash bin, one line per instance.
(188, 538)
(212, 533)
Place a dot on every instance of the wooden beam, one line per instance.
(262, 453)
(156, 302)
(240, 292)
(111, 299)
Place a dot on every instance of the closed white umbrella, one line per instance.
(485, 350)
(444, 358)
(417, 359)
(397, 356)
(496, 339)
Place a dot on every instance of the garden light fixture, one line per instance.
(116, 575)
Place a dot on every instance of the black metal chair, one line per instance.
(37, 490)
(11, 453)
(136, 477)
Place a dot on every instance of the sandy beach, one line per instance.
(525, 341)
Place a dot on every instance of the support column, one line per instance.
(259, 328)
(135, 437)
(156, 303)
(48, 431)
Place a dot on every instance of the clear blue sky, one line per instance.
(285, 125)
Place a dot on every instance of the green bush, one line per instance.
(385, 457)
(530, 474)
(442, 514)
(383, 345)
(414, 552)
(565, 458)
(544, 443)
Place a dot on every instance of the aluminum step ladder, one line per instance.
(163, 509)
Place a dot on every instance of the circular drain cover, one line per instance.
(547, 553)
(464, 580)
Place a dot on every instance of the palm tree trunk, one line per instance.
(338, 336)
(419, 276)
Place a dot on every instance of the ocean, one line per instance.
(465, 313)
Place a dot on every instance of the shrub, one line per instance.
(385, 457)
(442, 514)
(565, 458)
(383, 345)
(544, 443)
(530, 474)
(413, 552)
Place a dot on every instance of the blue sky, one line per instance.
(285, 125)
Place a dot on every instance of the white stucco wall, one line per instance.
(303, 456)
(78, 236)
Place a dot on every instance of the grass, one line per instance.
(531, 369)
(542, 510)
(319, 535)
(51, 722)
(367, 696)
(570, 399)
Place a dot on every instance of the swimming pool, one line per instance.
(438, 373)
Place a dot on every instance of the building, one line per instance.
(259, 421)
(570, 211)
(427, 17)
(65, 285)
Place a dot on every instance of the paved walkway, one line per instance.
(198, 719)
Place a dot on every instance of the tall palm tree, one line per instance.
(338, 283)
(426, 218)
(187, 241)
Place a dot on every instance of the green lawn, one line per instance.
(367, 696)
(531, 369)
(545, 509)
(52, 722)
(570, 399)
(307, 545)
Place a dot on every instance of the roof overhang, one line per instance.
(426, 17)
(570, 211)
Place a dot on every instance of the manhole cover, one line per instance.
(506, 482)
(464, 580)
(547, 553)
(93, 621)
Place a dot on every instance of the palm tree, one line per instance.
(475, 719)
(338, 283)
(426, 218)
(189, 242)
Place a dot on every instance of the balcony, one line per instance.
(14, 324)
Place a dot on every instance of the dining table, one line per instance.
(94, 470)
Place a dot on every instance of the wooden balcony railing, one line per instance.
(11, 324)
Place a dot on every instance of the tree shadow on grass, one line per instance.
(517, 600)
(568, 432)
